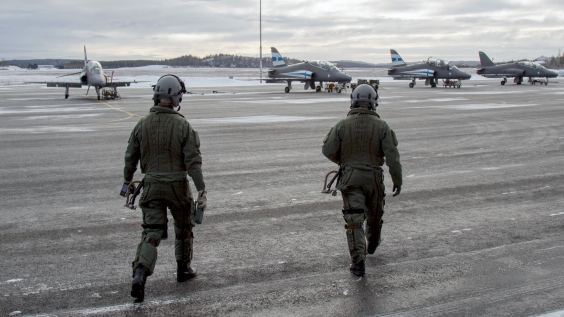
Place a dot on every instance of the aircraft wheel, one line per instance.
(546, 84)
(338, 90)
(318, 89)
(66, 96)
(410, 85)
(433, 85)
(458, 86)
(98, 97)
(286, 90)
(503, 82)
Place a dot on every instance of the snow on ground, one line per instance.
(193, 77)
(553, 314)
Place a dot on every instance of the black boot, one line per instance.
(372, 245)
(357, 269)
(183, 272)
(138, 283)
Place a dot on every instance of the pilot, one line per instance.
(168, 148)
(360, 144)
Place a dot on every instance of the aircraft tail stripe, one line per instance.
(396, 58)
(277, 59)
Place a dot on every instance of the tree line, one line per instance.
(215, 60)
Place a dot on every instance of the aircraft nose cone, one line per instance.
(463, 75)
(346, 77)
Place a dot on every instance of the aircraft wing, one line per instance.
(63, 84)
(121, 83)
(508, 72)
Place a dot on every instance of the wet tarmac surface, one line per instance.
(477, 230)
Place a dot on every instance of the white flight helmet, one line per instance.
(364, 95)
(169, 87)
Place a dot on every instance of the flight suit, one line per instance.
(167, 148)
(360, 144)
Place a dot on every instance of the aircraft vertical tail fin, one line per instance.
(396, 58)
(85, 58)
(277, 59)
(485, 61)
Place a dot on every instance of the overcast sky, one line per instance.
(329, 30)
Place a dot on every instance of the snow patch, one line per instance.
(12, 281)
(63, 117)
(553, 314)
(48, 130)
(479, 106)
(437, 100)
(296, 101)
(257, 119)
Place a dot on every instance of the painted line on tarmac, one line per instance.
(129, 114)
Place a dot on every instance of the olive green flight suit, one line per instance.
(167, 147)
(359, 143)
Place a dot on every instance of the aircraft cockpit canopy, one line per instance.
(325, 65)
(531, 64)
(96, 68)
(437, 62)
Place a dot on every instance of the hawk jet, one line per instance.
(432, 70)
(306, 72)
(517, 70)
(91, 75)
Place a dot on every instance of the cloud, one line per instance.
(332, 30)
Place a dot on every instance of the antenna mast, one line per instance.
(260, 32)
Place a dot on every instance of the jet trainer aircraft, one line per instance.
(306, 72)
(517, 70)
(431, 70)
(91, 75)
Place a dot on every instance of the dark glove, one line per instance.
(396, 189)
(202, 199)
(123, 191)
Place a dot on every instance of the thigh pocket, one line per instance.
(345, 179)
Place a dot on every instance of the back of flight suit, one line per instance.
(360, 144)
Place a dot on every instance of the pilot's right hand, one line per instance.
(396, 189)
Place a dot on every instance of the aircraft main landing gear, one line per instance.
(412, 83)
(289, 87)
(67, 92)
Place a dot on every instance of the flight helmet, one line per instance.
(169, 87)
(364, 95)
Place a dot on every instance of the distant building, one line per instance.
(78, 65)
(46, 66)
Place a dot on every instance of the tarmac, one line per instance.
(476, 231)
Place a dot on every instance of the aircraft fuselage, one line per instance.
(309, 73)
